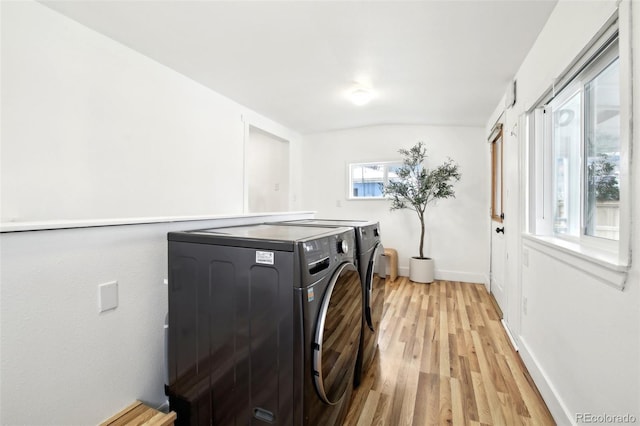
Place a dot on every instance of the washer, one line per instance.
(264, 325)
(371, 266)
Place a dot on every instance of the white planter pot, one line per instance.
(421, 270)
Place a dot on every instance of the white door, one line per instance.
(498, 245)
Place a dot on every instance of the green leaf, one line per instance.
(417, 186)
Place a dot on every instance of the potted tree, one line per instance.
(414, 188)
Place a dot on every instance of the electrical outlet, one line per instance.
(338, 203)
(108, 296)
(524, 305)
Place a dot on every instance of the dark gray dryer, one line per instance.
(371, 266)
(264, 325)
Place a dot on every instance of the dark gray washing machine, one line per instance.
(264, 325)
(371, 266)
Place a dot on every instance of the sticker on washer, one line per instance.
(310, 296)
(264, 257)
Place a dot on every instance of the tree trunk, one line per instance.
(421, 235)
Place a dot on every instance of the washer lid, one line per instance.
(265, 236)
(333, 222)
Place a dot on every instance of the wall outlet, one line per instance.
(108, 296)
(338, 203)
(524, 305)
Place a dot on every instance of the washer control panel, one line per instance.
(320, 254)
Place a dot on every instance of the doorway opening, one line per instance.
(267, 172)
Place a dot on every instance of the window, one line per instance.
(367, 179)
(585, 143)
(578, 157)
(602, 146)
(496, 173)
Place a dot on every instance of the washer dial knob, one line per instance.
(343, 246)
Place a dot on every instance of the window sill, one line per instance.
(600, 264)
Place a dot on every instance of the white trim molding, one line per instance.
(549, 393)
(225, 220)
(598, 264)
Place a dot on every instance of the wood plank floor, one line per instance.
(444, 359)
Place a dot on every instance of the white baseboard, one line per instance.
(558, 410)
(440, 274)
(466, 277)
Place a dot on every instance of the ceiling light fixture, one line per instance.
(360, 96)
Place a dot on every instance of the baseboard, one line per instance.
(558, 410)
(466, 277)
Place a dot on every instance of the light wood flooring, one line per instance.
(445, 359)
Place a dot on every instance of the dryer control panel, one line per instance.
(320, 254)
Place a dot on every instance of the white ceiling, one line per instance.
(430, 62)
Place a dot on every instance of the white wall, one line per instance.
(457, 235)
(92, 129)
(579, 337)
(63, 362)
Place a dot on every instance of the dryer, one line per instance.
(371, 266)
(264, 325)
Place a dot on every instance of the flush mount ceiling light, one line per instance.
(360, 95)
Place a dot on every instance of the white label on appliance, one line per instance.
(310, 295)
(264, 257)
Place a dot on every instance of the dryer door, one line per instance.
(374, 293)
(338, 334)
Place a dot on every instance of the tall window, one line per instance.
(585, 144)
(602, 145)
(578, 187)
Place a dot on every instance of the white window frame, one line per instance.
(384, 164)
(607, 259)
(577, 87)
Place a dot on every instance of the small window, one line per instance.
(366, 180)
